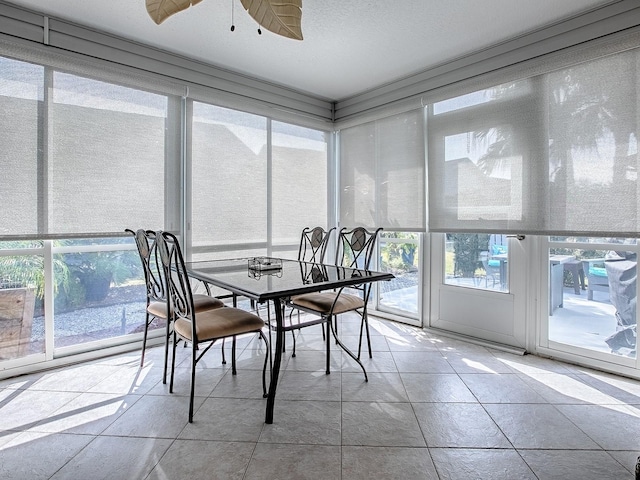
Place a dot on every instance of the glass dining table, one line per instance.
(266, 279)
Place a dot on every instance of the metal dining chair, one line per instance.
(156, 292)
(312, 249)
(355, 250)
(200, 327)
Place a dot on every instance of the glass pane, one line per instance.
(299, 184)
(229, 181)
(107, 147)
(593, 151)
(98, 295)
(21, 306)
(21, 94)
(20, 244)
(592, 299)
(400, 255)
(477, 260)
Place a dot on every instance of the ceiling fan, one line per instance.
(282, 17)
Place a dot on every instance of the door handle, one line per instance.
(519, 236)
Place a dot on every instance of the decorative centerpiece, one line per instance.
(259, 266)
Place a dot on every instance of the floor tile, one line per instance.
(411, 343)
(304, 422)
(381, 362)
(475, 362)
(76, 378)
(206, 381)
(34, 456)
(227, 419)
(398, 463)
(23, 409)
(245, 384)
(309, 386)
(504, 388)
(157, 416)
(460, 425)
(441, 387)
(377, 424)
(88, 413)
(115, 458)
(485, 464)
(422, 362)
(130, 379)
(424, 414)
(203, 460)
(573, 464)
(315, 361)
(381, 387)
(561, 388)
(538, 426)
(613, 427)
(308, 462)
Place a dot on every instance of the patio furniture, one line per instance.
(16, 319)
(596, 274)
(156, 291)
(621, 270)
(312, 249)
(491, 269)
(577, 274)
(200, 326)
(276, 286)
(355, 250)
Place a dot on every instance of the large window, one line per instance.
(256, 183)
(74, 146)
(228, 182)
(555, 153)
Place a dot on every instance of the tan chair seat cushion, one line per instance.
(201, 302)
(221, 322)
(321, 302)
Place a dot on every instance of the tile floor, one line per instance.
(434, 408)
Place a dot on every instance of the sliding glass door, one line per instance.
(592, 298)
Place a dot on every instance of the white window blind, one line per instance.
(554, 153)
(229, 181)
(82, 157)
(298, 184)
(382, 173)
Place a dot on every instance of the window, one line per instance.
(382, 173)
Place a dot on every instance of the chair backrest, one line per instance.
(356, 247)
(151, 263)
(177, 284)
(313, 244)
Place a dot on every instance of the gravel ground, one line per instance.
(123, 312)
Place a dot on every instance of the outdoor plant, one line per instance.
(28, 270)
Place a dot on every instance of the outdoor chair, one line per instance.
(596, 274)
(491, 269)
(200, 327)
(355, 250)
(156, 291)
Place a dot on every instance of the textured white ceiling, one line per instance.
(349, 47)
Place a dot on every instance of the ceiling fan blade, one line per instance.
(282, 17)
(160, 10)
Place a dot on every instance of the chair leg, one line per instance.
(328, 342)
(365, 324)
(193, 382)
(233, 357)
(224, 360)
(293, 335)
(167, 338)
(144, 338)
(173, 362)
